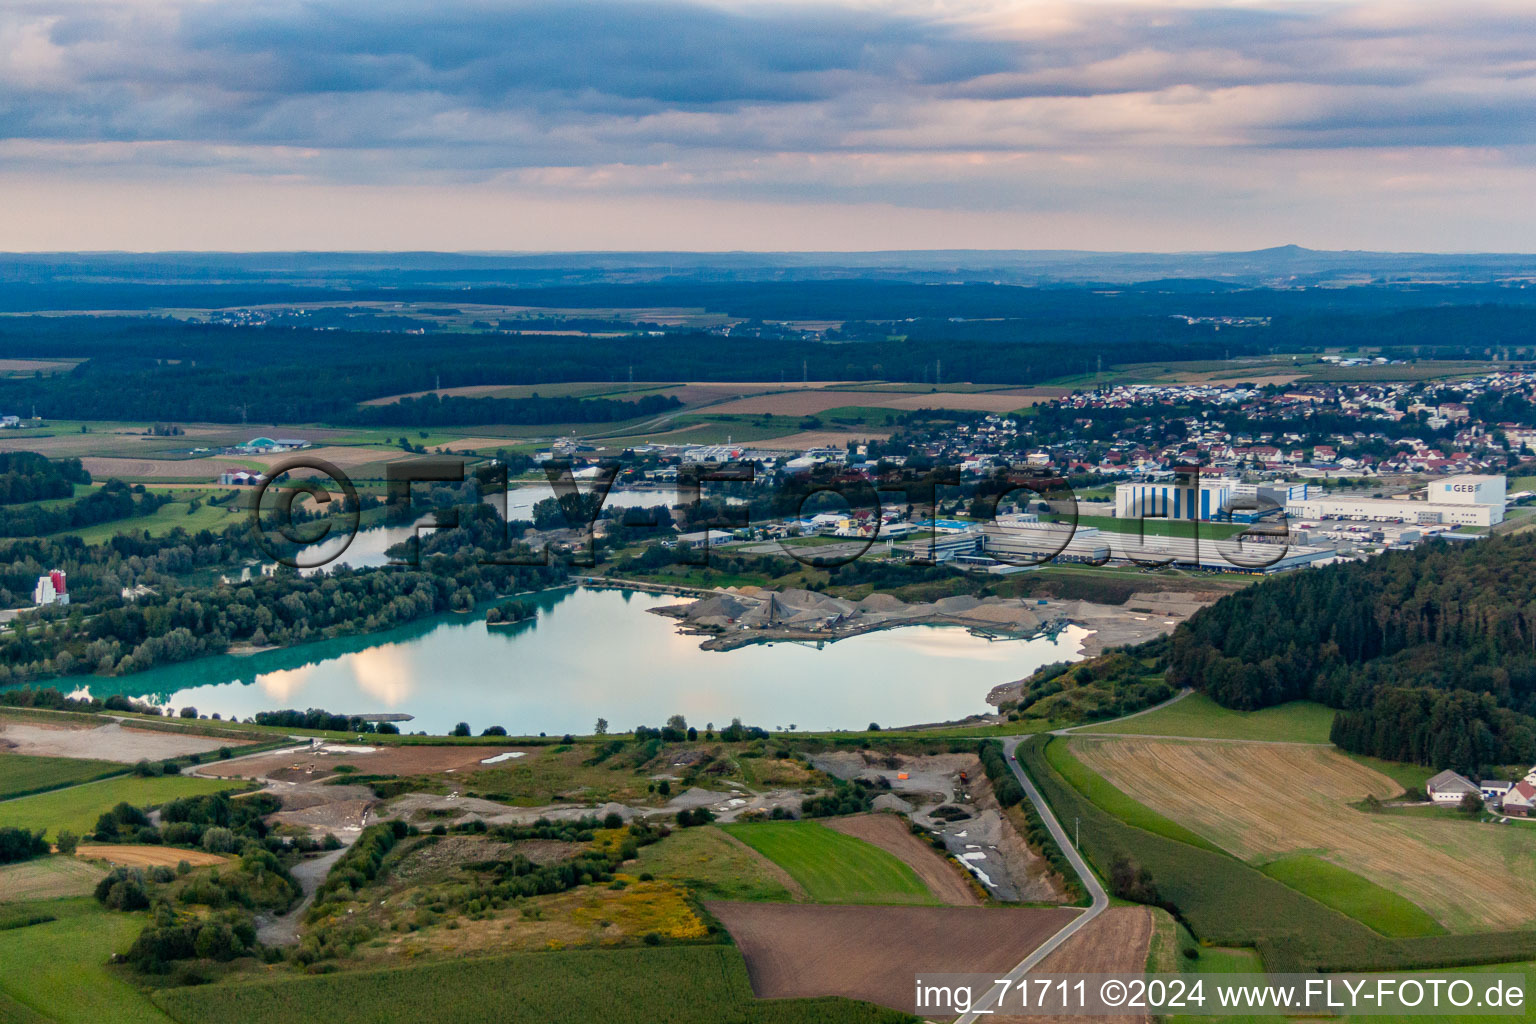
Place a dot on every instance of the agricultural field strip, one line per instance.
(1097, 905)
(1261, 801)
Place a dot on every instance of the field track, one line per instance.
(1261, 801)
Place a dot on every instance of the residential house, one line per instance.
(1520, 800)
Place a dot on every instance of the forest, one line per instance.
(1431, 653)
(28, 476)
(151, 367)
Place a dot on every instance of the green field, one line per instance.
(833, 867)
(1129, 810)
(22, 774)
(712, 866)
(1198, 716)
(676, 984)
(1161, 527)
(60, 968)
(1372, 905)
(78, 807)
(1409, 776)
(162, 521)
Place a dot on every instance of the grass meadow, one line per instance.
(833, 867)
(1197, 716)
(78, 807)
(25, 774)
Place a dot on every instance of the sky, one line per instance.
(839, 125)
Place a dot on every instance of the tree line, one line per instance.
(28, 476)
(116, 500)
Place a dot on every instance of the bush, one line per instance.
(66, 841)
(123, 889)
(19, 844)
(462, 729)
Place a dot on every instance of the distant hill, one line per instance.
(1285, 265)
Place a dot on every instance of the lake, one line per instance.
(600, 653)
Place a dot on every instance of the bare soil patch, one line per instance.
(342, 811)
(1115, 942)
(871, 953)
(892, 835)
(112, 742)
(988, 841)
(147, 856)
(313, 762)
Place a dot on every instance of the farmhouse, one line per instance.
(1449, 788)
(1494, 789)
(1520, 800)
(239, 478)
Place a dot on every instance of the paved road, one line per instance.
(1100, 898)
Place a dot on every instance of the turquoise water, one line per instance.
(599, 653)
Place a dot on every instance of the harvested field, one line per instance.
(10, 367)
(319, 761)
(810, 402)
(470, 444)
(112, 742)
(1262, 801)
(147, 856)
(871, 953)
(341, 456)
(47, 878)
(1115, 942)
(203, 470)
(891, 834)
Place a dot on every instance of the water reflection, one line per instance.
(600, 653)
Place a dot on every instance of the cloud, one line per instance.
(946, 103)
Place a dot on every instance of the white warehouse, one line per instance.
(1456, 500)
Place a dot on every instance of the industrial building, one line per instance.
(1219, 498)
(1183, 497)
(1033, 544)
(51, 589)
(1456, 501)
